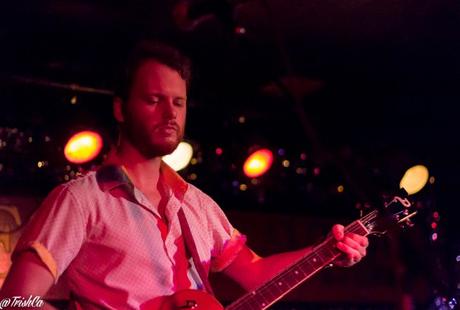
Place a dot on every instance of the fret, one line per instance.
(255, 302)
(306, 266)
(298, 272)
(273, 285)
(268, 292)
(319, 255)
(290, 278)
(328, 251)
(279, 283)
(260, 301)
(316, 260)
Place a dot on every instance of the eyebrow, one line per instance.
(163, 95)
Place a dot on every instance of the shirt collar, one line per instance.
(173, 180)
(111, 176)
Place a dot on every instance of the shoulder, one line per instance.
(73, 192)
(196, 196)
(200, 202)
(82, 185)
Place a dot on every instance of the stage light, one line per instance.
(414, 179)
(73, 100)
(83, 147)
(180, 158)
(258, 163)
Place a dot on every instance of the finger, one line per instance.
(363, 241)
(355, 245)
(352, 253)
(338, 232)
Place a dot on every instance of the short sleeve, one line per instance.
(227, 241)
(56, 231)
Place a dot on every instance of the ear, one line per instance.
(118, 109)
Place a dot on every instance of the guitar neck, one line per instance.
(271, 291)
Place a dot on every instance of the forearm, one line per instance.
(258, 270)
(266, 268)
(28, 276)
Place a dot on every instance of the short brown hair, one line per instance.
(151, 50)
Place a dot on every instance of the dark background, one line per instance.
(364, 89)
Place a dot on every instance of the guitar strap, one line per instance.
(191, 247)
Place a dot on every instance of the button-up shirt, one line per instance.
(111, 245)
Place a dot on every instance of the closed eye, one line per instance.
(180, 102)
(153, 99)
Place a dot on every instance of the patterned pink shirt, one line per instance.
(105, 237)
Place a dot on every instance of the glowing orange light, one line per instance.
(83, 147)
(415, 179)
(258, 163)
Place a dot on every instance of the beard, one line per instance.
(151, 142)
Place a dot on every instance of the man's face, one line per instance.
(154, 115)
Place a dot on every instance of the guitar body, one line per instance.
(184, 300)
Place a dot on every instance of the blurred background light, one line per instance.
(83, 147)
(180, 157)
(414, 179)
(258, 163)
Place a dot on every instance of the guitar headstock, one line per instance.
(396, 212)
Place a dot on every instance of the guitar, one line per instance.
(397, 212)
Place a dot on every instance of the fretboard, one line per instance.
(271, 291)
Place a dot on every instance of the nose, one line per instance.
(169, 109)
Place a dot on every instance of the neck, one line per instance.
(143, 172)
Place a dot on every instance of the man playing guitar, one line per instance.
(114, 233)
